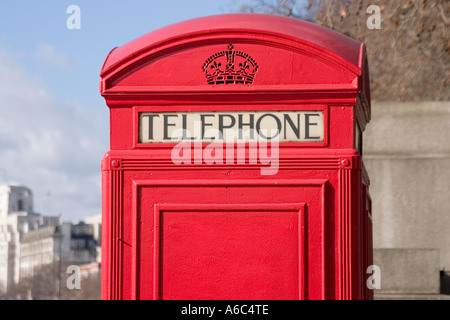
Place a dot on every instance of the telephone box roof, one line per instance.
(306, 32)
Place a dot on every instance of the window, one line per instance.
(20, 205)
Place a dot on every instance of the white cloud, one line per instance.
(49, 145)
(47, 55)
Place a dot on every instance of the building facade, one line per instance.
(31, 242)
(81, 242)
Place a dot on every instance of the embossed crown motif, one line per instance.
(230, 67)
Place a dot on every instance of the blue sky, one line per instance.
(54, 125)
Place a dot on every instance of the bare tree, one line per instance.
(288, 8)
(409, 56)
(49, 282)
(41, 286)
(89, 286)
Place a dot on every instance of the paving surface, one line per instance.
(412, 297)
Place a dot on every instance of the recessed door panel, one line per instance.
(230, 252)
(226, 241)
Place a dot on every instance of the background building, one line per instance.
(35, 249)
(81, 242)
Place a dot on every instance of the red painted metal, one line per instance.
(224, 231)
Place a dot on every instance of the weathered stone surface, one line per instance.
(407, 156)
(408, 271)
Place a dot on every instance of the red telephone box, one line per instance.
(235, 167)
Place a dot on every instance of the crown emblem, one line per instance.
(230, 67)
